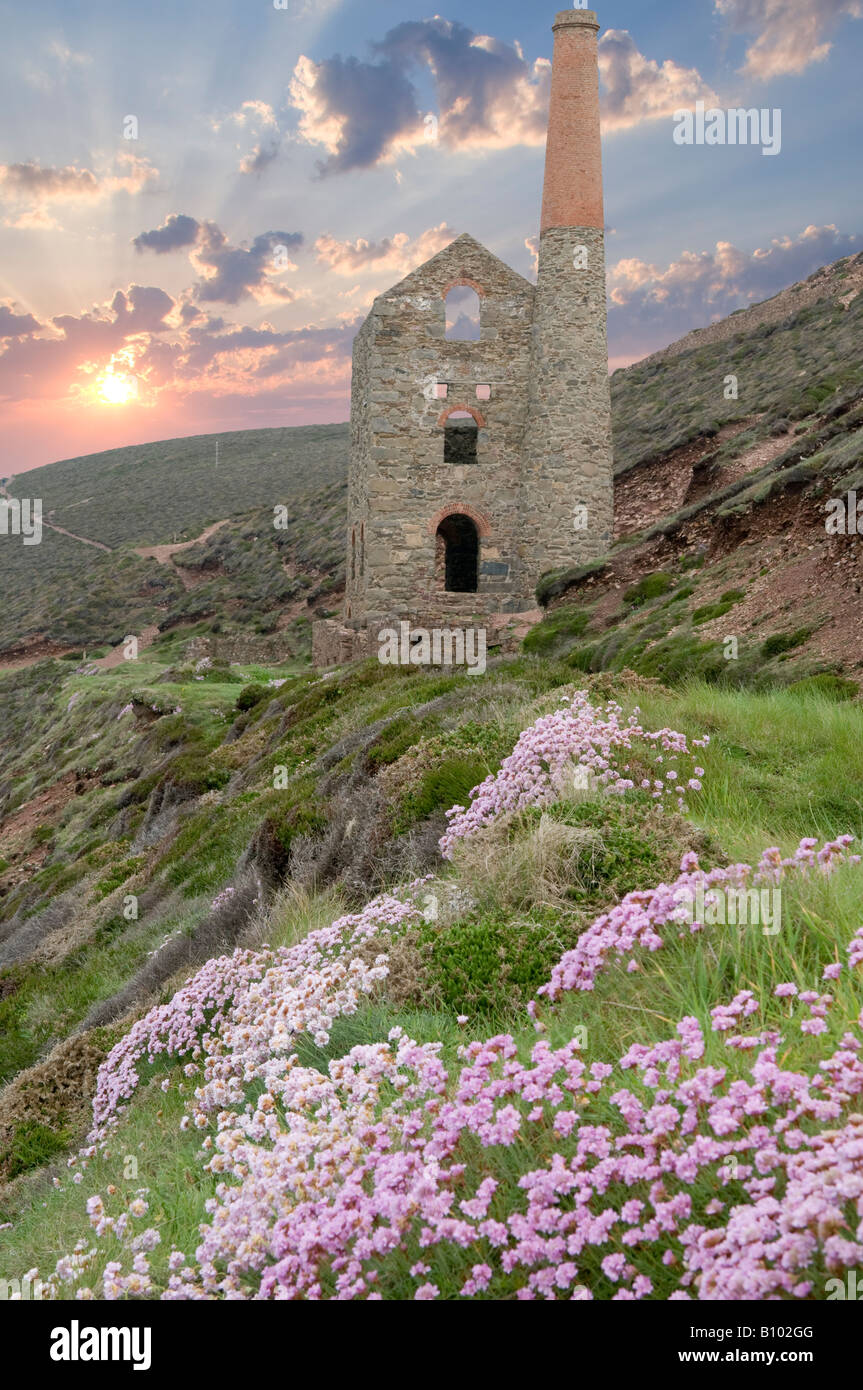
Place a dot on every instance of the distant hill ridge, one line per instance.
(842, 281)
(152, 494)
(682, 452)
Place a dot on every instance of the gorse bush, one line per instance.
(488, 966)
(564, 622)
(452, 776)
(33, 1144)
(650, 587)
(785, 641)
(251, 695)
(825, 683)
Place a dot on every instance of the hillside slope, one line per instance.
(185, 821)
(381, 976)
(700, 470)
(722, 505)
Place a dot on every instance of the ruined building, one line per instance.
(480, 461)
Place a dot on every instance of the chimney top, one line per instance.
(565, 19)
(572, 191)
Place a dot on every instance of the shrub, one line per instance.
(825, 683)
(785, 641)
(193, 774)
(574, 855)
(31, 1146)
(581, 659)
(491, 965)
(250, 696)
(173, 730)
(685, 591)
(118, 874)
(448, 782)
(708, 612)
(650, 587)
(565, 622)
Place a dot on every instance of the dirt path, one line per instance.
(83, 539)
(115, 656)
(165, 553)
(18, 660)
(52, 526)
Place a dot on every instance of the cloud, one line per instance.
(359, 112)
(173, 350)
(67, 57)
(261, 120)
(38, 185)
(487, 95)
(64, 63)
(228, 273)
(31, 180)
(245, 356)
(366, 113)
(233, 273)
(14, 325)
(398, 254)
(301, 9)
(790, 34)
(36, 220)
(73, 347)
(141, 309)
(650, 306)
(176, 231)
(639, 89)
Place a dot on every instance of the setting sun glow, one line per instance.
(116, 389)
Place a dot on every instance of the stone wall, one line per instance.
(264, 649)
(400, 488)
(568, 455)
(335, 643)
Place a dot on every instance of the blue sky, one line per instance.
(209, 274)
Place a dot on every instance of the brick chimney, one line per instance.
(567, 496)
(572, 192)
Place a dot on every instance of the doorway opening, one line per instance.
(457, 554)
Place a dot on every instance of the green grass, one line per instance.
(781, 764)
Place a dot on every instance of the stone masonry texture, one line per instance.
(539, 493)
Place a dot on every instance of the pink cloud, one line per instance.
(651, 306)
(639, 89)
(36, 185)
(790, 34)
(396, 255)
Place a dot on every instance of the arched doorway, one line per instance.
(457, 554)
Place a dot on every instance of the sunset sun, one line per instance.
(116, 389)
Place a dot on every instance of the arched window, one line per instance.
(457, 554)
(353, 555)
(362, 548)
(460, 434)
(461, 307)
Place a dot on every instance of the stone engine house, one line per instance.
(481, 445)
